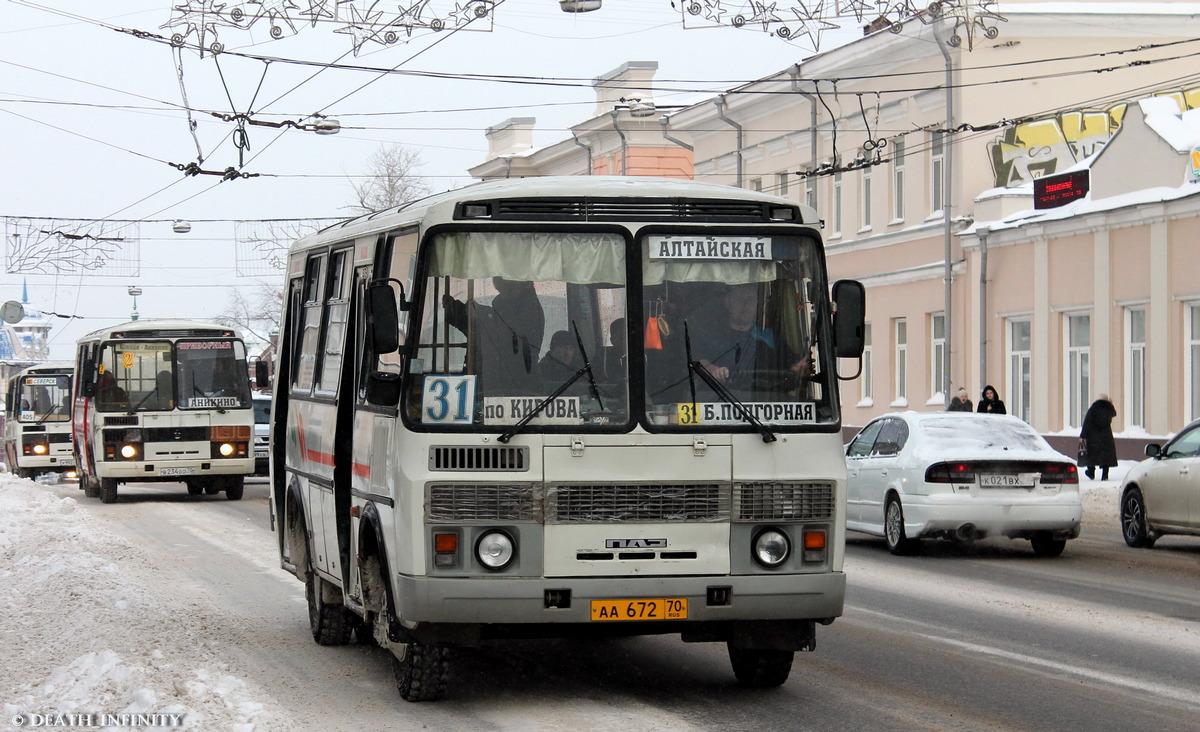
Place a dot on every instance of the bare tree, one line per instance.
(257, 315)
(391, 180)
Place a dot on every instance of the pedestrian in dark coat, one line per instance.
(989, 402)
(1097, 438)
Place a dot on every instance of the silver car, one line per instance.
(1161, 495)
(960, 476)
(262, 433)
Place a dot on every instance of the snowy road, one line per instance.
(164, 603)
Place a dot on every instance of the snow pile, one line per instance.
(81, 636)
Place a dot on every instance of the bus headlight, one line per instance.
(40, 449)
(771, 547)
(226, 449)
(129, 452)
(495, 550)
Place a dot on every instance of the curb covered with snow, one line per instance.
(110, 643)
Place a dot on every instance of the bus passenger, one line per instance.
(507, 335)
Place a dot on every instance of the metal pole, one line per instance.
(982, 232)
(947, 208)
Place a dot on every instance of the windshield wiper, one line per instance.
(585, 369)
(196, 388)
(742, 410)
(47, 415)
(134, 408)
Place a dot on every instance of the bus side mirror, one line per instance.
(262, 375)
(382, 318)
(849, 317)
(87, 378)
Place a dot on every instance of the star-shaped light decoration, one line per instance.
(275, 11)
(971, 20)
(812, 20)
(362, 26)
(199, 18)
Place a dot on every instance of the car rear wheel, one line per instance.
(1047, 546)
(898, 542)
(1133, 520)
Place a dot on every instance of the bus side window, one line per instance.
(308, 326)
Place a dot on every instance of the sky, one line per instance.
(95, 128)
(104, 585)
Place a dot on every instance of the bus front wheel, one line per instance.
(759, 668)
(91, 486)
(235, 486)
(108, 490)
(421, 671)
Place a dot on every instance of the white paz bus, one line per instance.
(163, 400)
(567, 407)
(37, 420)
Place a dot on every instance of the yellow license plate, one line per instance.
(672, 608)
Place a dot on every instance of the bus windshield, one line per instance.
(45, 398)
(731, 331)
(144, 376)
(511, 319)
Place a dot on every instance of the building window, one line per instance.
(937, 172)
(1020, 359)
(1079, 368)
(810, 192)
(837, 204)
(866, 198)
(898, 179)
(783, 184)
(756, 184)
(937, 356)
(865, 392)
(901, 361)
(1135, 367)
(1193, 361)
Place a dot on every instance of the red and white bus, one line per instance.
(37, 420)
(163, 400)
(580, 406)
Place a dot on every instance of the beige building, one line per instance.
(919, 152)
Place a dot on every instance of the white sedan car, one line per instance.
(1162, 495)
(961, 476)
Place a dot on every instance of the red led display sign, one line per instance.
(1058, 190)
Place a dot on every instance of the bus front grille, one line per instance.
(459, 503)
(780, 501)
(626, 503)
(491, 458)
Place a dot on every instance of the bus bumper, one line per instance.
(534, 601)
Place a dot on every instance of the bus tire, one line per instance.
(422, 673)
(329, 621)
(108, 490)
(194, 488)
(235, 487)
(91, 486)
(759, 668)
(213, 486)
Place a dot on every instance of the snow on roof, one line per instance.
(1180, 130)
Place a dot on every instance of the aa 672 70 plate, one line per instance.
(673, 608)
